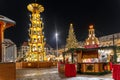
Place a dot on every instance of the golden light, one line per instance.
(36, 42)
(91, 26)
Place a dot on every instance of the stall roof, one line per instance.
(8, 21)
(79, 49)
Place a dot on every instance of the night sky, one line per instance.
(103, 14)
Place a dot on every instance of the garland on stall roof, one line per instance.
(79, 49)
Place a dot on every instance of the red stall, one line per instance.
(69, 70)
(116, 71)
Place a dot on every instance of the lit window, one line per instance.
(89, 35)
(87, 43)
(93, 42)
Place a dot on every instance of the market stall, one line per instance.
(116, 73)
(67, 67)
(88, 62)
(69, 70)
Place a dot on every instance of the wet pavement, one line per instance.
(52, 74)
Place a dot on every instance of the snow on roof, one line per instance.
(3, 18)
(8, 42)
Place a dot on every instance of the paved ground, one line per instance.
(52, 74)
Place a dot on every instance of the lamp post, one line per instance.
(56, 36)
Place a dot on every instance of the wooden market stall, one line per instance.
(88, 62)
(89, 59)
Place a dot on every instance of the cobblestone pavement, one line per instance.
(52, 74)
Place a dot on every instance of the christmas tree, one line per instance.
(71, 41)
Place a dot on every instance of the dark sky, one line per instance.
(104, 14)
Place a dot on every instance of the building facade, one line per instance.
(110, 40)
(22, 52)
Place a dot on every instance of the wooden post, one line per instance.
(115, 55)
(63, 57)
(114, 49)
(1, 38)
(72, 56)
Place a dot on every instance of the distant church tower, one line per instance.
(91, 41)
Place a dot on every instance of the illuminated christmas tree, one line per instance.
(36, 41)
(71, 40)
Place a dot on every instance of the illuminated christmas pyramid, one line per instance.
(36, 41)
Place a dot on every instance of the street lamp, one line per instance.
(56, 36)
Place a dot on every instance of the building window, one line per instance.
(93, 42)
